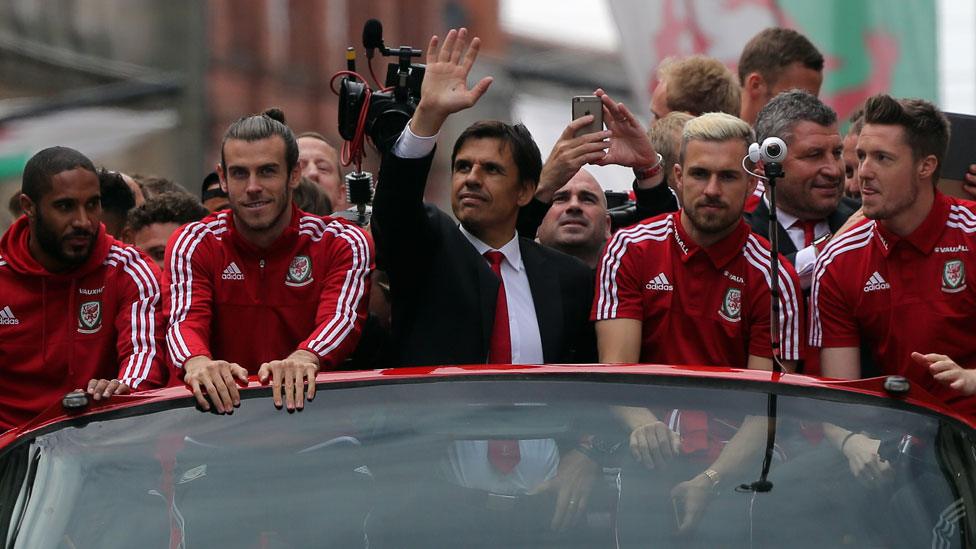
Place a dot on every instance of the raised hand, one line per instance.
(445, 89)
(629, 144)
(568, 155)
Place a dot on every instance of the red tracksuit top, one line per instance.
(229, 300)
(59, 330)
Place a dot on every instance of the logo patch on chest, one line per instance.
(953, 276)
(90, 317)
(299, 271)
(732, 305)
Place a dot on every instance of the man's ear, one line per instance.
(926, 167)
(526, 192)
(607, 228)
(755, 85)
(27, 206)
(677, 178)
(294, 178)
(222, 177)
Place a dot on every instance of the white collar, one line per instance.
(511, 250)
(786, 220)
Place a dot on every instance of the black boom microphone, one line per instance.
(373, 38)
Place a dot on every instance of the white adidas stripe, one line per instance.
(608, 300)
(181, 283)
(353, 288)
(789, 314)
(142, 316)
(854, 239)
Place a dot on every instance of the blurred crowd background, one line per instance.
(148, 86)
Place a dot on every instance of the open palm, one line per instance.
(445, 89)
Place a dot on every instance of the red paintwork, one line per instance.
(871, 386)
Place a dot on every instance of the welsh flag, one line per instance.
(870, 46)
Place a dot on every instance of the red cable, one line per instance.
(353, 151)
(369, 63)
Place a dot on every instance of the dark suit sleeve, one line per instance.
(655, 201)
(530, 218)
(401, 226)
(585, 351)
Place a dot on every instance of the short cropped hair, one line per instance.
(716, 127)
(774, 49)
(43, 166)
(179, 208)
(256, 127)
(781, 115)
(857, 121)
(700, 84)
(117, 197)
(524, 151)
(665, 136)
(154, 185)
(926, 127)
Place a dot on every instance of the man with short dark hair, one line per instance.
(117, 200)
(213, 197)
(775, 60)
(439, 276)
(263, 288)
(78, 309)
(472, 291)
(695, 85)
(902, 282)
(901, 285)
(149, 226)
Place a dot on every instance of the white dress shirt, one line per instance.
(806, 256)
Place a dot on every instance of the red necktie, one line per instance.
(500, 345)
(694, 431)
(809, 231)
(503, 455)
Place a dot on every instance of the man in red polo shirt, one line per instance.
(692, 288)
(903, 281)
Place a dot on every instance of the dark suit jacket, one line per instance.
(443, 292)
(758, 219)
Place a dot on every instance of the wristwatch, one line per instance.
(821, 243)
(712, 475)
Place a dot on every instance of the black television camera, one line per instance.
(381, 113)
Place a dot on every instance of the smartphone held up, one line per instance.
(588, 104)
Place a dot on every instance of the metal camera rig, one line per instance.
(380, 114)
